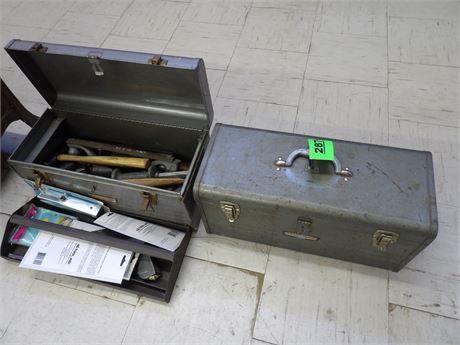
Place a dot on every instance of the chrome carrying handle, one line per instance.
(281, 163)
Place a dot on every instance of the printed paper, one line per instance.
(157, 235)
(66, 255)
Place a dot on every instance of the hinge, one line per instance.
(382, 239)
(39, 48)
(231, 210)
(158, 60)
(40, 178)
(150, 200)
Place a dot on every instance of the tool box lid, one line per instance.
(143, 87)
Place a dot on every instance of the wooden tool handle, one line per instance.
(121, 149)
(113, 161)
(156, 182)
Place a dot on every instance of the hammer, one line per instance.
(127, 162)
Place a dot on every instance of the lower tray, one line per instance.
(168, 262)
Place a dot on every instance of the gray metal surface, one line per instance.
(121, 98)
(127, 85)
(390, 189)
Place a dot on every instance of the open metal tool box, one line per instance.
(371, 204)
(150, 102)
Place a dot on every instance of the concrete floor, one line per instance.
(376, 71)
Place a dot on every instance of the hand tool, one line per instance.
(100, 170)
(75, 149)
(72, 150)
(121, 149)
(146, 268)
(127, 162)
(169, 166)
(156, 182)
(67, 166)
(151, 171)
(182, 174)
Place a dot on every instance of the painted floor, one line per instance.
(383, 72)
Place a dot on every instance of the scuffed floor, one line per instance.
(370, 71)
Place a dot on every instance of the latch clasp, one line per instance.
(149, 200)
(231, 210)
(39, 48)
(158, 60)
(94, 59)
(40, 178)
(303, 230)
(382, 239)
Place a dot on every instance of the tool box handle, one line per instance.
(281, 163)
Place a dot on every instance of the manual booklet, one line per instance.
(66, 255)
(157, 235)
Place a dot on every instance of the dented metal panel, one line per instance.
(381, 212)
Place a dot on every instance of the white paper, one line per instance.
(66, 255)
(157, 235)
(75, 223)
(131, 265)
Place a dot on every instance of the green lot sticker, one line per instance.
(320, 149)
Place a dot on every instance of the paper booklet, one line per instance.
(79, 258)
(157, 235)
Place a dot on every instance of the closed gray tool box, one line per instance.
(157, 105)
(372, 204)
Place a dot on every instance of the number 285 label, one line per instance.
(320, 149)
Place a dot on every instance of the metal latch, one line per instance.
(94, 59)
(382, 239)
(38, 47)
(303, 230)
(231, 210)
(303, 225)
(40, 178)
(150, 200)
(158, 60)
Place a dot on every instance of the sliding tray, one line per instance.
(168, 262)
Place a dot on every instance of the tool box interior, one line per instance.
(56, 127)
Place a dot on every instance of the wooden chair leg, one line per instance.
(13, 110)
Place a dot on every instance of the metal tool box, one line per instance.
(372, 205)
(150, 102)
(158, 103)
